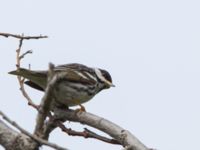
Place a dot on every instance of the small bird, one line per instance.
(80, 84)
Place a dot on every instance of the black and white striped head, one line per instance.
(104, 77)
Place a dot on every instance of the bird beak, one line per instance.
(110, 84)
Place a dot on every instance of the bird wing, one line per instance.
(74, 66)
(78, 77)
(78, 73)
(34, 85)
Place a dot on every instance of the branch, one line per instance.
(39, 140)
(46, 101)
(20, 79)
(18, 59)
(90, 134)
(22, 36)
(24, 54)
(86, 134)
(7, 136)
(124, 137)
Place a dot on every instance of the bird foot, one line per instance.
(81, 109)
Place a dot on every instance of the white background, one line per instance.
(151, 49)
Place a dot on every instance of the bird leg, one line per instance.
(82, 108)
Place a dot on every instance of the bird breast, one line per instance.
(71, 94)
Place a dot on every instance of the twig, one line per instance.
(20, 79)
(18, 59)
(36, 138)
(27, 52)
(22, 36)
(90, 134)
(22, 89)
(86, 134)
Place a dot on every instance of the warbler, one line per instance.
(80, 84)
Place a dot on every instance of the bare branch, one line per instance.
(46, 101)
(20, 79)
(123, 136)
(86, 134)
(30, 102)
(7, 136)
(22, 36)
(90, 134)
(11, 139)
(36, 138)
(27, 52)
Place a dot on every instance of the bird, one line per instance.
(80, 84)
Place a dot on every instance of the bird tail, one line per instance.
(22, 72)
(38, 77)
(29, 74)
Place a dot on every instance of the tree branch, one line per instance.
(46, 101)
(36, 138)
(18, 59)
(7, 135)
(86, 134)
(24, 54)
(22, 36)
(124, 137)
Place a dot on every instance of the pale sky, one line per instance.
(151, 49)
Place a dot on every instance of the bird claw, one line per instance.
(81, 109)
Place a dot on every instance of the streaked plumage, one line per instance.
(80, 84)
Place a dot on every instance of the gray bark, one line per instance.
(13, 140)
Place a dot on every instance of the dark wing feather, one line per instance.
(75, 66)
(72, 75)
(34, 85)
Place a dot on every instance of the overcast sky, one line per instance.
(151, 49)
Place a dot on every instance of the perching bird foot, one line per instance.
(81, 109)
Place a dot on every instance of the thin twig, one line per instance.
(86, 134)
(18, 59)
(91, 134)
(36, 138)
(24, 54)
(20, 79)
(22, 89)
(22, 36)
